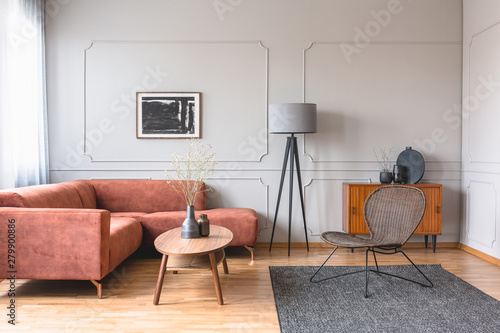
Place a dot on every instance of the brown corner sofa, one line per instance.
(83, 229)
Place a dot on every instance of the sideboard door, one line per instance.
(354, 200)
(431, 222)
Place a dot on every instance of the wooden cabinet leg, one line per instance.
(434, 240)
(161, 275)
(426, 240)
(215, 274)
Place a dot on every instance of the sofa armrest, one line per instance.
(55, 244)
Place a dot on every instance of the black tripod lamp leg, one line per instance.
(283, 171)
(293, 148)
(299, 178)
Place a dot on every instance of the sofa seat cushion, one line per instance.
(125, 238)
(154, 224)
(243, 223)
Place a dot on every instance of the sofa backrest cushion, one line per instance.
(72, 194)
(141, 195)
(86, 192)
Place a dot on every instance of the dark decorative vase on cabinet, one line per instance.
(386, 177)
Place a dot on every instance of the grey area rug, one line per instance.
(393, 305)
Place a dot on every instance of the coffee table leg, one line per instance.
(161, 275)
(224, 264)
(215, 274)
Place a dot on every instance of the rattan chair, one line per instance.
(392, 214)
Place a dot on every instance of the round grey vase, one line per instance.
(386, 177)
(190, 227)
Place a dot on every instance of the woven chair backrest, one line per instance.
(393, 212)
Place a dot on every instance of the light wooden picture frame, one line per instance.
(168, 115)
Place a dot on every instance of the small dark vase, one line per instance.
(190, 227)
(204, 224)
(386, 177)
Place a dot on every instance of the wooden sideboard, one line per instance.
(355, 194)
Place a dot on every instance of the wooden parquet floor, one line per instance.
(188, 302)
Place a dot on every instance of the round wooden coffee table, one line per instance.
(193, 254)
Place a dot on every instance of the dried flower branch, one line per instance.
(192, 170)
(384, 159)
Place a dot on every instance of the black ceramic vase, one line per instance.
(386, 177)
(190, 227)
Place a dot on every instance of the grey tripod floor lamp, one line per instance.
(291, 118)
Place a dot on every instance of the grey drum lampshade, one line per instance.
(292, 118)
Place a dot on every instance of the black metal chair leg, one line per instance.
(376, 263)
(366, 274)
(430, 285)
(330, 277)
(418, 269)
(378, 271)
(320, 267)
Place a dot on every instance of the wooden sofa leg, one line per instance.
(250, 248)
(98, 284)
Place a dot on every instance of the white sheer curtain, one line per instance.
(23, 111)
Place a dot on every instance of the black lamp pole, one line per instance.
(290, 150)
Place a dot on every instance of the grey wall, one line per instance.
(384, 73)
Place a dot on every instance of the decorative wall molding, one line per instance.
(471, 113)
(342, 180)
(306, 90)
(311, 44)
(265, 95)
(481, 213)
(266, 196)
(345, 169)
